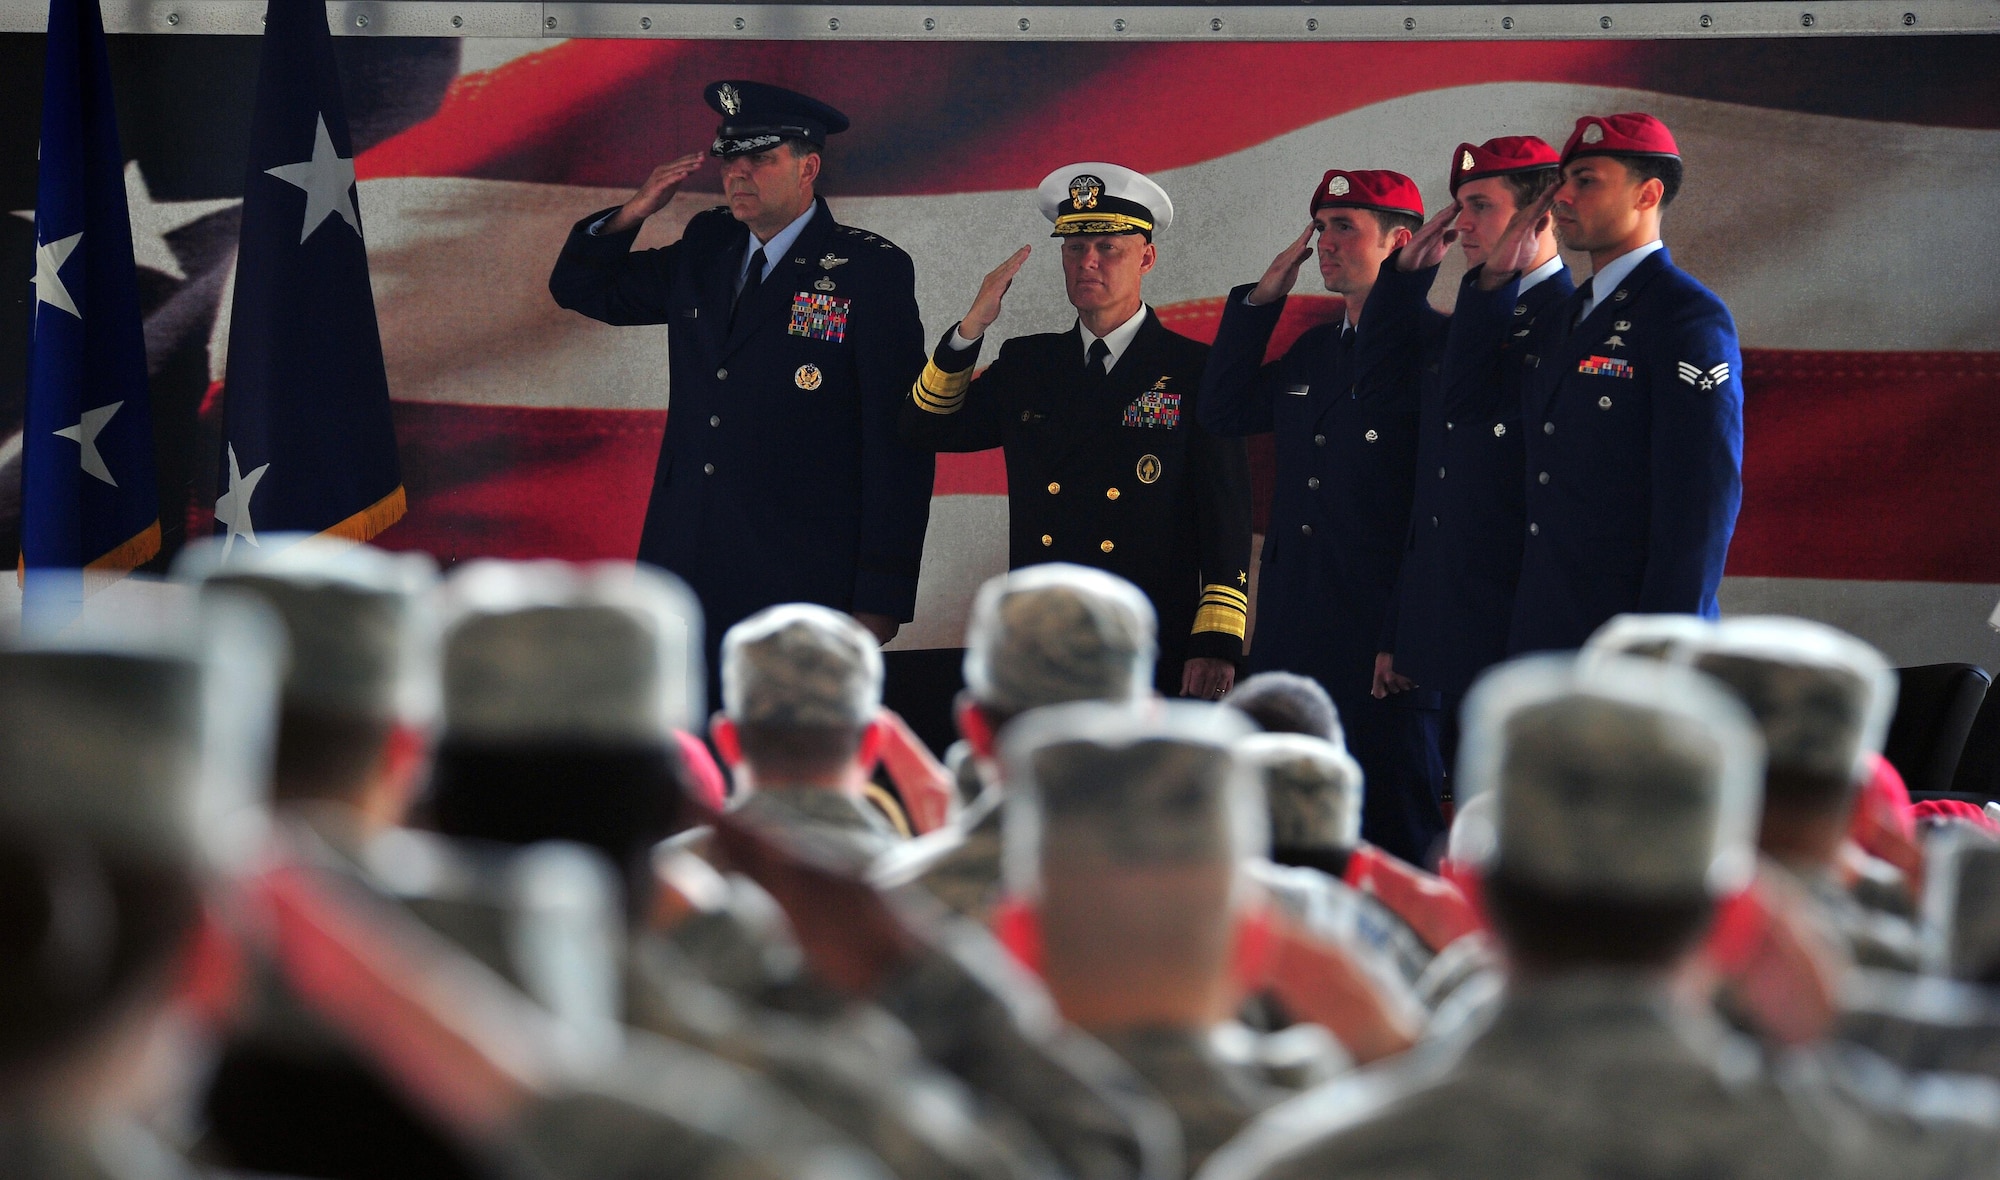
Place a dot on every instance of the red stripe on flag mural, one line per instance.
(1870, 465)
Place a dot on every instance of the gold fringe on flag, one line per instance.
(368, 523)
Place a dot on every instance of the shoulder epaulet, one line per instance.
(865, 236)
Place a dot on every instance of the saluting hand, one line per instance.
(1283, 273)
(992, 289)
(1429, 245)
(653, 195)
(1519, 242)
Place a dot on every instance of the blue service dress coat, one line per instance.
(780, 478)
(1109, 471)
(1634, 457)
(1455, 601)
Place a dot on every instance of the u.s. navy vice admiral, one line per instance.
(1634, 407)
(1106, 463)
(1342, 404)
(793, 339)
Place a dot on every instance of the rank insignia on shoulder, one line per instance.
(824, 284)
(1704, 379)
(1605, 366)
(1622, 326)
(1614, 341)
(1155, 409)
(829, 262)
(807, 378)
(1149, 469)
(1620, 295)
(819, 317)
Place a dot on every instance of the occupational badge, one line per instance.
(1465, 162)
(1605, 366)
(1337, 187)
(1703, 379)
(1149, 469)
(1084, 191)
(1155, 409)
(1604, 403)
(807, 378)
(1594, 133)
(819, 317)
(829, 262)
(1613, 341)
(1622, 326)
(823, 284)
(732, 102)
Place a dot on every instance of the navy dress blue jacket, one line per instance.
(1455, 600)
(1344, 421)
(1634, 458)
(780, 478)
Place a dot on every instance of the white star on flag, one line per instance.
(327, 179)
(232, 508)
(153, 220)
(49, 289)
(85, 435)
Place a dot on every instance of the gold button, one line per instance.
(1048, 540)
(1054, 488)
(1107, 546)
(1111, 493)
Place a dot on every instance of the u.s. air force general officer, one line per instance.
(793, 339)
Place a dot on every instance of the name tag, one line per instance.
(1604, 366)
(819, 317)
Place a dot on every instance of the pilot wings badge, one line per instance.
(1703, 379)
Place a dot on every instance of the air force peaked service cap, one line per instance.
(1312, 787)
(757, 116)
(800, 666)
(153, 748)
(1618, 778)
(358, 619)
(544, 651)
(1047, 634)
(1822, 697)
(1099, 198)
(1091, 783)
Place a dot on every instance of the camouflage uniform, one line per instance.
(848, 829)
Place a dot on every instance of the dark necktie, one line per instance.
(1582, 303)
(1097, 362)
(751, 281)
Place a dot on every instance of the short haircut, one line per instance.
(1551, 930)
(619, 800)
(1286, 702)
(325, 756)
(1389, 222)
(797, 753)
(1532, 185)
(1665, 169)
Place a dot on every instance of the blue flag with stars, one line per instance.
(89, 501)
(308, 443)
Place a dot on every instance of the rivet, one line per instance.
(1023, 23)
(173, 18)
(1707, 21)
(739, 24)
(1603, 22)
(930, 24)
(457, 22)
(1806, 20)
(1506, 22)
(1215, 25)
(549, 22)
(1118, 26)
(832, 22)
(361, 22)
(1312, 26)
(645, 22)
(1909, 18)
(1409, 24)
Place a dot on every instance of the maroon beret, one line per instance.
(1386, 192)
(1501, 157)
(1632, 134)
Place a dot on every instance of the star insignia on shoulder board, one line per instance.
(1703, 379)
(829, 262)
(1242, 578)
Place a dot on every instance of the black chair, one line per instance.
(1935, 708)
(1979, 765)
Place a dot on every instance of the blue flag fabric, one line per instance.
(308, 443)
(89, 495)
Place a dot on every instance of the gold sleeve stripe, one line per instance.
(940, 392)
(1224, 609)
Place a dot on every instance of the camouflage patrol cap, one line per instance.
(1094, 783)
(1614, 777)
(544, 651)
(1822, 697)
(154, 749)
(1312, 788)
(1047, 634)
(801, 666)
(1652, 637)
(357, 617)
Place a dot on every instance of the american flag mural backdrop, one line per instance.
(1836, 197)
